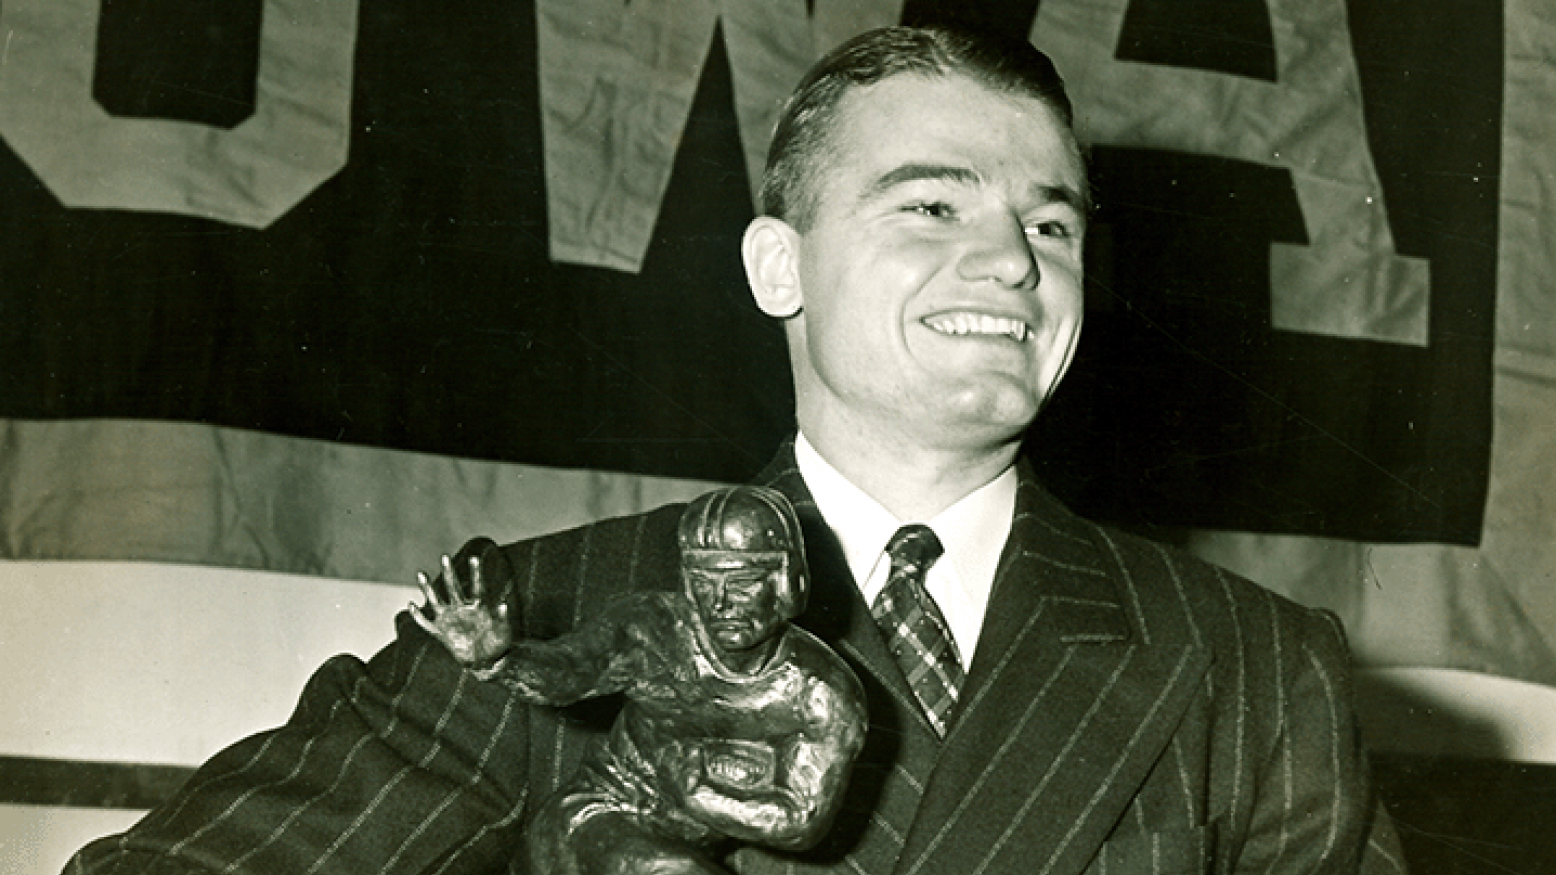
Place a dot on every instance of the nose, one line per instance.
(1001, 253)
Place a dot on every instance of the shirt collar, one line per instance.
(861, 525)
(973, 530)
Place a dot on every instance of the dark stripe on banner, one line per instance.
(81, 784)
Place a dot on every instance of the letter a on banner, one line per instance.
(296, 139)
(1348, 281)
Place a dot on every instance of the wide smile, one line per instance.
(970, 324)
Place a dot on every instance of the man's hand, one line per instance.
(475, 633)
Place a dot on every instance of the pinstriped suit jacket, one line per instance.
(1129, 710)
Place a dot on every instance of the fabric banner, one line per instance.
(263, 265)
(1491, 608)
(176, 492)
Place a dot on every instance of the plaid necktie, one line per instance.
(914, 628)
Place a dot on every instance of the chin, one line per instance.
(995, 413)
(736, 642)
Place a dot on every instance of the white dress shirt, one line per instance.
(973, 532)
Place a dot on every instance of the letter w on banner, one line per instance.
(617, 82)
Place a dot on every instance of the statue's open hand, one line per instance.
(474, 632)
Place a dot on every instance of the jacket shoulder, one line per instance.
(557, 580)
(1179, 593)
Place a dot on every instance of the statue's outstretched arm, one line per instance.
(458, 615)
(479, 634)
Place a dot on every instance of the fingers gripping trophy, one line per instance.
(736, 724)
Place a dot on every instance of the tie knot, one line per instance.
(914, 546)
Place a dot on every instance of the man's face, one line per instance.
(941, 275)
(737, 599)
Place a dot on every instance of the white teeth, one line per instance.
(976, 323)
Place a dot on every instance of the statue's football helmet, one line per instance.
(745, 525)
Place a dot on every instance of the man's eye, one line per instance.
(1050, 229)
(933, 209)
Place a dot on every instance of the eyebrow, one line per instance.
(906, 173)
(1066, 195)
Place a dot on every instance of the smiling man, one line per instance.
(933, 294)
(1045, 695)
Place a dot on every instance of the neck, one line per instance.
(913, 481)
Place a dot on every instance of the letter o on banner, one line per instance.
(297, 138)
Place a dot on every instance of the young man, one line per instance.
(1065, 700)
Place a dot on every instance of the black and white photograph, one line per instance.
(766, 437)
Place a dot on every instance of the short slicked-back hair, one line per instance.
(802, 143)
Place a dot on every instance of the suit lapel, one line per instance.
(1065, 710)
(1033, 774)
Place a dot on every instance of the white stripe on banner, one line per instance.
(175, 492)
(40, 840)
(167, 664)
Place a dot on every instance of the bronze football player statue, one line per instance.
(736, 723)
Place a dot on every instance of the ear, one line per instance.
(771, 252)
